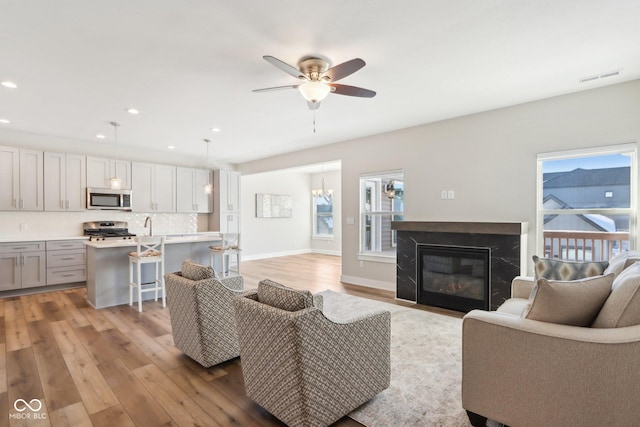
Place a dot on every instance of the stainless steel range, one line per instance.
(104, 230)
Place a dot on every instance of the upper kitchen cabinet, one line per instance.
(226, 201)
(191, 196)
(99, 170)
(153, 188)
(65, 181)
(227, 190)
(21, 179)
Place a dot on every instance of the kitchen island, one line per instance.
(108, 264)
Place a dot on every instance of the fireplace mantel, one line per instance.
(507, 228)
(507, 241)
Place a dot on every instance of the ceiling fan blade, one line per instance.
(313, 105)
(343, 70)
(269, 89)
(352, 91)
(285, 67)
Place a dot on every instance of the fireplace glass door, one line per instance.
(453, 277)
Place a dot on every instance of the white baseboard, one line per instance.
(275, 254)
(326, 252)
(362, 281)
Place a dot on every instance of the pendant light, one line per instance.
(208, 187)
(115, 183)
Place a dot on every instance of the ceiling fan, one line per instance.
(318, 80)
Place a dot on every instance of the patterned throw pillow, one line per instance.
(566, 270)
(575, 303)
(622, 308)
(193, 271)
(282, 297)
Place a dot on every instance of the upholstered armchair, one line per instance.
(569, 360)
(201, 311)
(302, 367)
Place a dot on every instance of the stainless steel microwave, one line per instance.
(106, 198)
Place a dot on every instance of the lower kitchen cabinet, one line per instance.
(66, 262)
(22, 265)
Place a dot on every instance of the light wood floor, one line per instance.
(118, 367)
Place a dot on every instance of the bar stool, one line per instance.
(229, 246)
(150, 251)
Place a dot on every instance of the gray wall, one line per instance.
(489, 159)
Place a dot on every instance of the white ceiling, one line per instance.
(190, 65)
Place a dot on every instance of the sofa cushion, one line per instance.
(514, 306)
(285, 298)
(574, 302)
(193, 271)
(622, 261)
(622, 308)
(552, 269)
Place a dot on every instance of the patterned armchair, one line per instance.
(201, 311)
(304, 368)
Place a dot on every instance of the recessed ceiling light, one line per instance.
(9, 84)
(215, 129)
(5, 121)
(100, 136)
(171, 147)
(132, 111)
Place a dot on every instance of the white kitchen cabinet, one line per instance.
(226, 202)
(228, 186)
(64, 182)
(21, 179)
(190, 190)
(66, 262)
(153, 187)
(100, 169)
(22, 265)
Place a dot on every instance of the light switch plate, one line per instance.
(451, 194)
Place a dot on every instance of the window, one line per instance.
(381, 201)
(322, 214)
(587, 203)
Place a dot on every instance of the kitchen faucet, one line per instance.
(149, 221)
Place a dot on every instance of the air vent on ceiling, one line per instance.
(599, 76)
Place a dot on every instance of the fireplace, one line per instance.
(506, 244)
(453, 277)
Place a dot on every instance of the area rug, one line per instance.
(426, 366)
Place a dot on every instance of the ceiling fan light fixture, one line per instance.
(314, 91)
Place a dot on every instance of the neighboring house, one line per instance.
(586, 189)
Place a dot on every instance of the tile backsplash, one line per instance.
(69, 224)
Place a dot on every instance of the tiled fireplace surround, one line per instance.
(507, 241)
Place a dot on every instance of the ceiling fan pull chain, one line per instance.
(314, 121)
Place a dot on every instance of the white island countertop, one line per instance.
(207, 236)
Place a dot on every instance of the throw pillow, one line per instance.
(193, 271)
(622, 261)
(566, 270)
(574, 302)
(622, 308)
(280, 296)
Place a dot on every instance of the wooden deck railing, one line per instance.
(584, 245)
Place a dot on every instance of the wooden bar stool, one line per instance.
(229, 246)
(150, 251)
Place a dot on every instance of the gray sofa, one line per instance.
(525, 372)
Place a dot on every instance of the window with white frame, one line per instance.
(381, 202)
(587, 205)
(322, 214)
